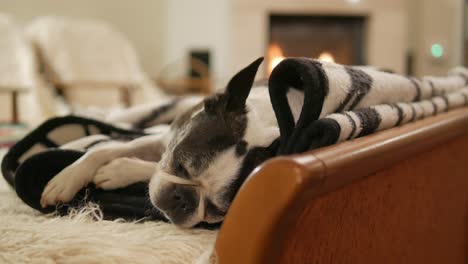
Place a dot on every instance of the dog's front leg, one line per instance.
(122, 172)
(64, 186)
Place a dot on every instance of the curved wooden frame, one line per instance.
(269, 206)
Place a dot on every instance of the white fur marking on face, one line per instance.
(197, 112)
(220, 173)
(177, 180)
(201, 207)
(155, 185)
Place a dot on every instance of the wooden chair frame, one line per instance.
(397, 196)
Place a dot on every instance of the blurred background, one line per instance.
(101, 53)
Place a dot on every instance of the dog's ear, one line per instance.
(239, 86)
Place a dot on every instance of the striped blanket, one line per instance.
(345, 102)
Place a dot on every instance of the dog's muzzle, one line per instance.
(181, 200)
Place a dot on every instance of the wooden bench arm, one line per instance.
(266, 210)
(125, 88)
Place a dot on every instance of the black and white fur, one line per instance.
(196, 165)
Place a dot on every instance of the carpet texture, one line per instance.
(27, 236)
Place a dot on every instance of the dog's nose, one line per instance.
(178, 202)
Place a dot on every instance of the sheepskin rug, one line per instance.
(27, 236)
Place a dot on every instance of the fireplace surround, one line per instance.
(333, 38)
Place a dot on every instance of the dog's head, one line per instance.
(196, 176)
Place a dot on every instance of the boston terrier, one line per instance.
(196, 165)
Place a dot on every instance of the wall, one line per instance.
(202, 24)
(436, 21)
(141, 21)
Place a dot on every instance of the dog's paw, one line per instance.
(64, 186)
(116, 174)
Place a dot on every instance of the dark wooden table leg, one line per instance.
(14, 107)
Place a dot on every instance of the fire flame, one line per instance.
(275, 55)
(326, 56)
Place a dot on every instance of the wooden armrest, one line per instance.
(95, 84)
(14, 88)
(298, 194)
(125, 89)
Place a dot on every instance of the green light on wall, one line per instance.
(437, 50)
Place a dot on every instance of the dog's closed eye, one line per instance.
(181, 171)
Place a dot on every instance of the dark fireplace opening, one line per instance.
(331, 38)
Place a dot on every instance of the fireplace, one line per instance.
(330, 38)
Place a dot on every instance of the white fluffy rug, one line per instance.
(27, 236)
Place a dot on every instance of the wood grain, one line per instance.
(413, 212)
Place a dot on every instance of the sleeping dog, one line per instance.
(196, 165)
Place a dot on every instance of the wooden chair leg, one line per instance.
(125, 95)
(14, 107)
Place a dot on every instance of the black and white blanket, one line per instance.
(345, 102)
(340, 103)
